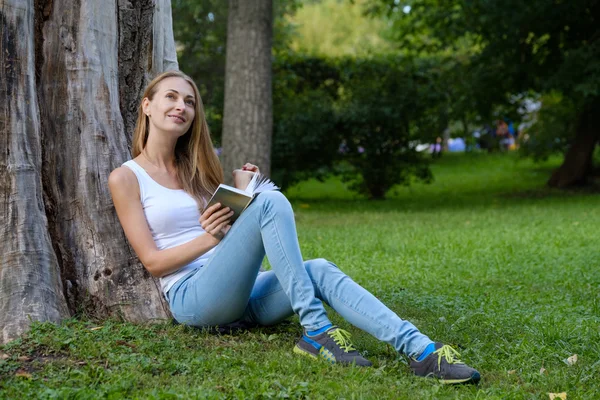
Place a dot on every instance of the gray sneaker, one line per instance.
(442, 365)
(333, 345)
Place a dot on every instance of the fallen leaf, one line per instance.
(24, 358)
(23, 374)
(543, 371)
(96, 328)
(512, 371)
(572, 360)
(561, 396)
(4, 356)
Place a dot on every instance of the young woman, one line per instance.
(210, 270)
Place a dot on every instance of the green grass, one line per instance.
(484, 258)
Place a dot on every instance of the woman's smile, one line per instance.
(178, 119)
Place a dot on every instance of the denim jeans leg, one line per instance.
(269, 305)
(219, 292)
(363, 310)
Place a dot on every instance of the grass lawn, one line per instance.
(485, 258)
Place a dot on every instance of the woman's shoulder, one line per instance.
(122, 177)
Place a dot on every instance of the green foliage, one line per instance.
(513, 47)
(362, 113)
(305, 135)
(334, 28)
(380, 101)
(530, 45)
(552, 129)
(479, 259)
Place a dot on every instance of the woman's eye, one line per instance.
(170, 96)
(190, 103)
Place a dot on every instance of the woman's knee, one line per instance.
(273, 196)
(319, 268)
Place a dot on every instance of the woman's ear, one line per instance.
(146, 106)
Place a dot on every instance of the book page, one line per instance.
(259, 184)
(252, 184)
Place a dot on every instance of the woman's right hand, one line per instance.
(215, 221)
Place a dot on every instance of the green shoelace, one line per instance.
(342, 338)
(449, 354)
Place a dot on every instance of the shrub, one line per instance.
(379, 103)
(305, 137)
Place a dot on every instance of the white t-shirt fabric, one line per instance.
(173, 218)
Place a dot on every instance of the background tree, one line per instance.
(248, 110)
(71, 77)
(540, 45)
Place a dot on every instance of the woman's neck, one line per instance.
(160, 153)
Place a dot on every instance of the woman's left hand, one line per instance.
(251, 168)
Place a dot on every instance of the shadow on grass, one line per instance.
(239, 328)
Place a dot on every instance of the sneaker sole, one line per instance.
(298, 350)
(472, 379)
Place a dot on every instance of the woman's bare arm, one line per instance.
(124, 189)
(242, 178)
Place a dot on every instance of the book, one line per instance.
(239, 199)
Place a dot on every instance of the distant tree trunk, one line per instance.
(248, 111)
(72, 73)
(578, 163)
(445, 139)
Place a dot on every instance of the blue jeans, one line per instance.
(230, 288)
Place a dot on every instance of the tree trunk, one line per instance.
(248, 111)
(63, 250)
(577, 165)
(30, 284)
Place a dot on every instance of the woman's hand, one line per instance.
(215, 221)
(251, 168)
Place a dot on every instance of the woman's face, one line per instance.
(173, 106)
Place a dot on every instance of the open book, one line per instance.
(237, 199)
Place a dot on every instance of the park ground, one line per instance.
(485, 258)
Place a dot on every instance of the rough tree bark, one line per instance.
(248, 111)
(72, 73)
(577, 165)
(30, 283)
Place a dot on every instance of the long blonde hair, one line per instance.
(198, 167)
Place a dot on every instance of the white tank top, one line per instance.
(173, 219)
